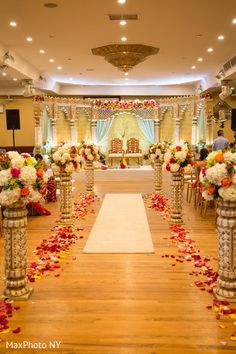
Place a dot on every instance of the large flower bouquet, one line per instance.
(21, 179)
(65, 159)
(219, 176)
(177, 158)
(126, 105)
(89, 152)
(157, 151)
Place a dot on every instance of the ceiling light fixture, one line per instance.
(51, 60)
(121, 1)
(210, 50)
(200, 59)
(126, 74)
(59, 67)
(221, 37)
(4, 74)
(126, 78)
(193, 67)
(12, 24)
(234, 21)
(42, 51)
(125, 56)
(124, 39)
(15, 79)
(29, 39)
(123, 22)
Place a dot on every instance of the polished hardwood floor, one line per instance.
(121, 303)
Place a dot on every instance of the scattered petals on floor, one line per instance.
(6, 310)
(187, 247)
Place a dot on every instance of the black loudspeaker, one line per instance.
(13, 119)
(233, 119)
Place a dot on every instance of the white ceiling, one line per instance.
(67, 34)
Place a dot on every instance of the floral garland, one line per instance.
(89, 152)
(157, 151)
(126, 105)
(65, 159)
(177, 158)
(219, 178)
(21, 179)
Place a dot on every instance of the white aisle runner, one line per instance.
(121, 226)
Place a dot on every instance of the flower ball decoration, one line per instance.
(219, 176)
(21, 179)
(157, 151)
(89, 152)
(177, 158)
(65, 159)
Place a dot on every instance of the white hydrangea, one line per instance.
(13, 154)
(216, 173)
(56, 157)
(230, 157)
(87, 151)
(18, 162)
(167, 156)
(212, 155)
(90, 157)
(55, 168)
(8, 197)
(28, 175)
(77, 158)
(69, 167)
(234, 179)
(65, 157)
(5, 176)
(207, 196)
(228, 193)
(181, 155)
(174, 167)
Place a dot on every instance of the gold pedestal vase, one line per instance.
(14, 229)
(226, 228)
(157, 175)
(176, 197)
(89, 177)
(65, 198)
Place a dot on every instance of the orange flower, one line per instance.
(219, 157)
(24, 192)
(211, 189)
(226, 182)
(40, 172)
(72, 155)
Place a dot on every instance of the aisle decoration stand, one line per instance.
(156, 153)
(219, 182)
(176, 159)
(21, 181)
(65, 160)
(89, 153)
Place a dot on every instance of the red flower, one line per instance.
(168, 167)
(15, 172)
(178, 148)
(172, 160)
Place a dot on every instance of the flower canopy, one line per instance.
(125, 105)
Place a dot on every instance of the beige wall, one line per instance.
(24, 136)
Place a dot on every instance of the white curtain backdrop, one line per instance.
(202, 126)
(147, 128)
(46, 127)
(102, 132)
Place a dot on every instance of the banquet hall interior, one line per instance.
(117, 176)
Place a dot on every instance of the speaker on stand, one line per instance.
(13, 122)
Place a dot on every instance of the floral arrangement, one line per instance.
(177, 158)
(126, 105)
(219, 178)
(21, 179)
(123, 163)
(89, 152)
(157, 150)
(65, 159)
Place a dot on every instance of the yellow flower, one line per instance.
(30, 161)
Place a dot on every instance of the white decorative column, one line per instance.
(93, 131)
(157, 132)
(209, 141)
(194, 134)
(53, 132)
(37, 129)
(177, 131)
(73, 133)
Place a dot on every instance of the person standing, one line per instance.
(220, 143)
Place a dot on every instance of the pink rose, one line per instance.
(15, 172)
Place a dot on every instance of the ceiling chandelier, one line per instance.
(125, 56)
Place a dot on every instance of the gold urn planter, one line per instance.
(14, 229)
(176, 197)
(65, 198)
(157, 175)
(89, 176)
(226, 228)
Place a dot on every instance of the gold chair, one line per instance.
(133, 151)
(116, 151)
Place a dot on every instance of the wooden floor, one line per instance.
(121, 304)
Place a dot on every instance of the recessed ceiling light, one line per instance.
(126, 78)
(234, 20)
(124, 39)
(42, 51)
(71, 78)
(50, 5)
(51, 60)
(210, 50)
(15, 79)
(232, 88)
(126, 74)
(200, 59)
(121, 1)
(12, 24)
(198, 35)
(4, 74)
(220, 37)
(193, 67)
(59, 67)
(29, 39)
(123, 22)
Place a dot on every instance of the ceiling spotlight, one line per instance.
(12, 24)
(221, 37)
(29, 39)
(71, 78)
(51, 60)
(231, 88)
(234, 20)
(15, 79)
(4, 74)
(126, 78)
(193, 67)
(42, 51)
(200, 59)
(123, 22)
(210, 50)
(121, 1)
(124, 39)
(126, 74)
(59, 67)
